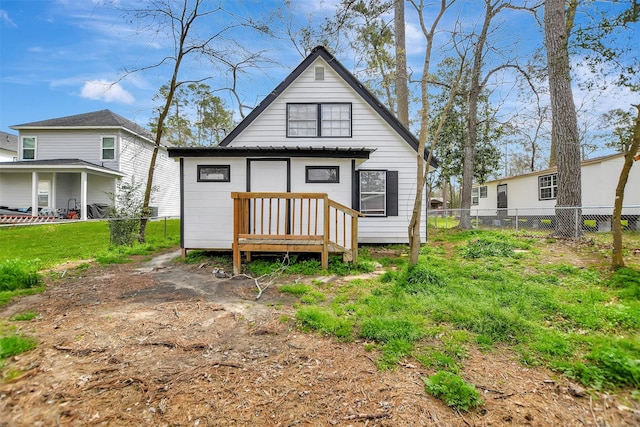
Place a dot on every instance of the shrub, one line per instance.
(453, 390)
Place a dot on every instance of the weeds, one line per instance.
(453, 390)
(17, 274)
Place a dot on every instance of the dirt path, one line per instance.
(164, 344)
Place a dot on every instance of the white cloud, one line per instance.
(106, 91)
(4, 17)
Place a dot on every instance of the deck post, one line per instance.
(325, 234)
(237, 219)
(354, 239)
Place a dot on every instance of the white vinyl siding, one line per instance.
(29, 147)
(368, 131)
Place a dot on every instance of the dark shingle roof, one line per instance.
(323, 152)
(96, 119)
(8, 141)
(57, 163)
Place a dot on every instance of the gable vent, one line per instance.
(319, 73)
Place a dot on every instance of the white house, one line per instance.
(72, 162)
(535, 192)
(319, 131)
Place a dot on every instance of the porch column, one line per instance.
(34, 193)
(83, 196)
(53, 204)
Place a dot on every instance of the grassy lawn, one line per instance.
(492, 290)
(53, 244)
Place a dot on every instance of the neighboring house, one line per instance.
(535, 192)
(8, 147)
(72, 163)
(319, 131)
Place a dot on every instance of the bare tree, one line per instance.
(428, 32)
(180, 18)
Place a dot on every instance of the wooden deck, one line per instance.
(293, 222)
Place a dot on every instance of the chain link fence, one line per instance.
(586, 219)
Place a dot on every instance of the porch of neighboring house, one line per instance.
(293, 222)
(43, 191)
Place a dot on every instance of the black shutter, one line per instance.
(355, 187)
(392, 193)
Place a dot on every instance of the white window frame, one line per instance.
(483, 192)
(550, 184)
(34, 149)
(383, 192)
(102, 147)
(475, 196)
(325, 122)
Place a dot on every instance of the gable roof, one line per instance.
(349, 78)
(103, 119)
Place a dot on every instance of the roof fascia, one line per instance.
(272, 152)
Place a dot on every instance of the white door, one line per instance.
(268, 175)
(270, 216)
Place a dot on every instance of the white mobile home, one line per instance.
(319, 132)
(535, 192)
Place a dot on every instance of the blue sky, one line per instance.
(60, 57)
(64, 57)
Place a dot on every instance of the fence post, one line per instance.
(165, 227)
(575, 220)
(477, 218)
(517, 221)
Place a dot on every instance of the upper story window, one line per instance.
(108, 147)
(319, 120)
(547, 186)
(28, 148)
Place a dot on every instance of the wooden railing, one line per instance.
(293, 222)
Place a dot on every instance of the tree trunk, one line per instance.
(402, 91)
(475, 87)
(564, 127)
(616, 226)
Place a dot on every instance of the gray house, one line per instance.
(70, 164)
(8, 147)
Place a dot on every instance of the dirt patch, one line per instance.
(161, 343)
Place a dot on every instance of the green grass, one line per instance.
(453, 390)
(53, 244)
(482, 288)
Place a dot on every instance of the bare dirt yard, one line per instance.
(162, 343)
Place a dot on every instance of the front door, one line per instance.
(271, 176)
(502, 196)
